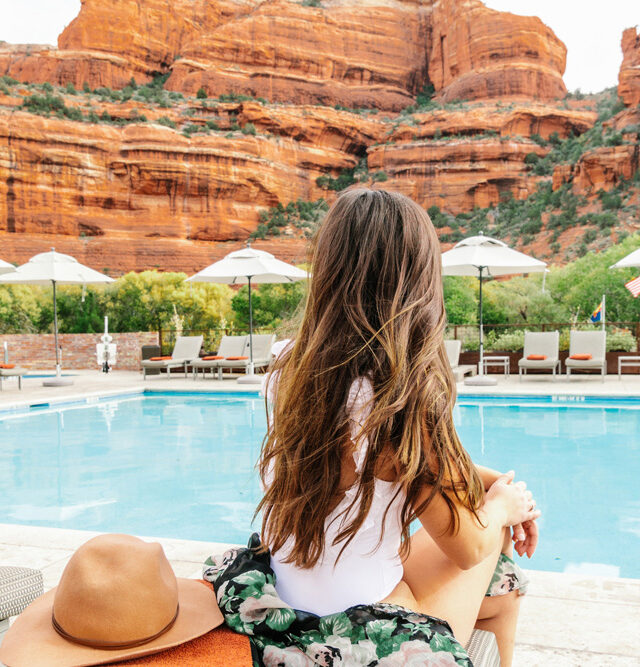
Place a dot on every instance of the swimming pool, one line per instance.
(182, 465)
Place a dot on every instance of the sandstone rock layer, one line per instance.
(476, 52)
(629, 77)
(457, 175)
(375, 54)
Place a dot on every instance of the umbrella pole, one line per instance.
(481, 379)
(55, 328)
(250, 331)
(480, 364)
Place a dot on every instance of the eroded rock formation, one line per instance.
(476, 52)
(375, 54)
(457, 175)
(629, 77)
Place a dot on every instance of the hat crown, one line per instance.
(116, 589)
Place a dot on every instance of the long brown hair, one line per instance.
(374, 309)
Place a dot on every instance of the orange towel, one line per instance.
(537, 357)
(581, 357)
(235, 358)
(211, 358)
(7, 366)
(160, 358)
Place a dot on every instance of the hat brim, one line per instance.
(33, 642)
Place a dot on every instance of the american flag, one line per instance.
(634, 286)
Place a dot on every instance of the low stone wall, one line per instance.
(37, 351)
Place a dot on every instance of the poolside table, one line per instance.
(505, 362)
(625, 362)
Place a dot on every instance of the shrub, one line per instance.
(249, 128)
(425, 96)
(201, 94)
(305, 215)
(8, 80)
(611, 201)
(379, 176)
(167, 122)
(71, 89)
(47, 87)
(188, 130)
(621, 340)
(212, 125)
(509, 341)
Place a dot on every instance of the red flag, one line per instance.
(634, 286)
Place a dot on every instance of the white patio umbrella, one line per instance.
(5, 267)
(246, 267)
(484, 256)
(632, 259)
(54, 268)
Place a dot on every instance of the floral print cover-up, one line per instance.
(376, 635)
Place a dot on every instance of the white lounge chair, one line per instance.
(230, 346)
(12, 373)
(261, 354)
(186, 349)
(587, 342)
(453, 349)
(540, 344)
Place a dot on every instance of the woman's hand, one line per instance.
(525, 538)
(517, 501)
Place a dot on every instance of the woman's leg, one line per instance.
(499, 615)
(434, 585)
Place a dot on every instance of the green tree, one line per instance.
(20, 307)
(460, 299)
(273, 304)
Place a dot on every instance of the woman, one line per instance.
(362, 442)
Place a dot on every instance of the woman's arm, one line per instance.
(505, 504)
(487, 475)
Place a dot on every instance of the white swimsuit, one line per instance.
(366, 573)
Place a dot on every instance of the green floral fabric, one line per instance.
(508, 576)
(381, 635)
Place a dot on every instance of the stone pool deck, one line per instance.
(567, 620)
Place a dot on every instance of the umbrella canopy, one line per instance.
(48, 267)
(54, 268)
(483, 256)
(247, 266)
(632, 259)
(5, 267)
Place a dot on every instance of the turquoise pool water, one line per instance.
(182, 465)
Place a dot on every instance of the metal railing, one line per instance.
(468, 333)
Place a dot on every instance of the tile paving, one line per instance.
(566, 620)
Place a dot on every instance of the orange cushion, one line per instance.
(537, 357)
(581, 357)
(160, 358)
(211, 358)
(7, 366)
(235, 358)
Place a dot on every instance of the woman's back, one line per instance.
(369, 567)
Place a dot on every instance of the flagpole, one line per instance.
(604, 309)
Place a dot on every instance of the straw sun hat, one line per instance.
(118, 598)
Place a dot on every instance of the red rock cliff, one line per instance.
(476, 52)
(376, 54)
(629, 77)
